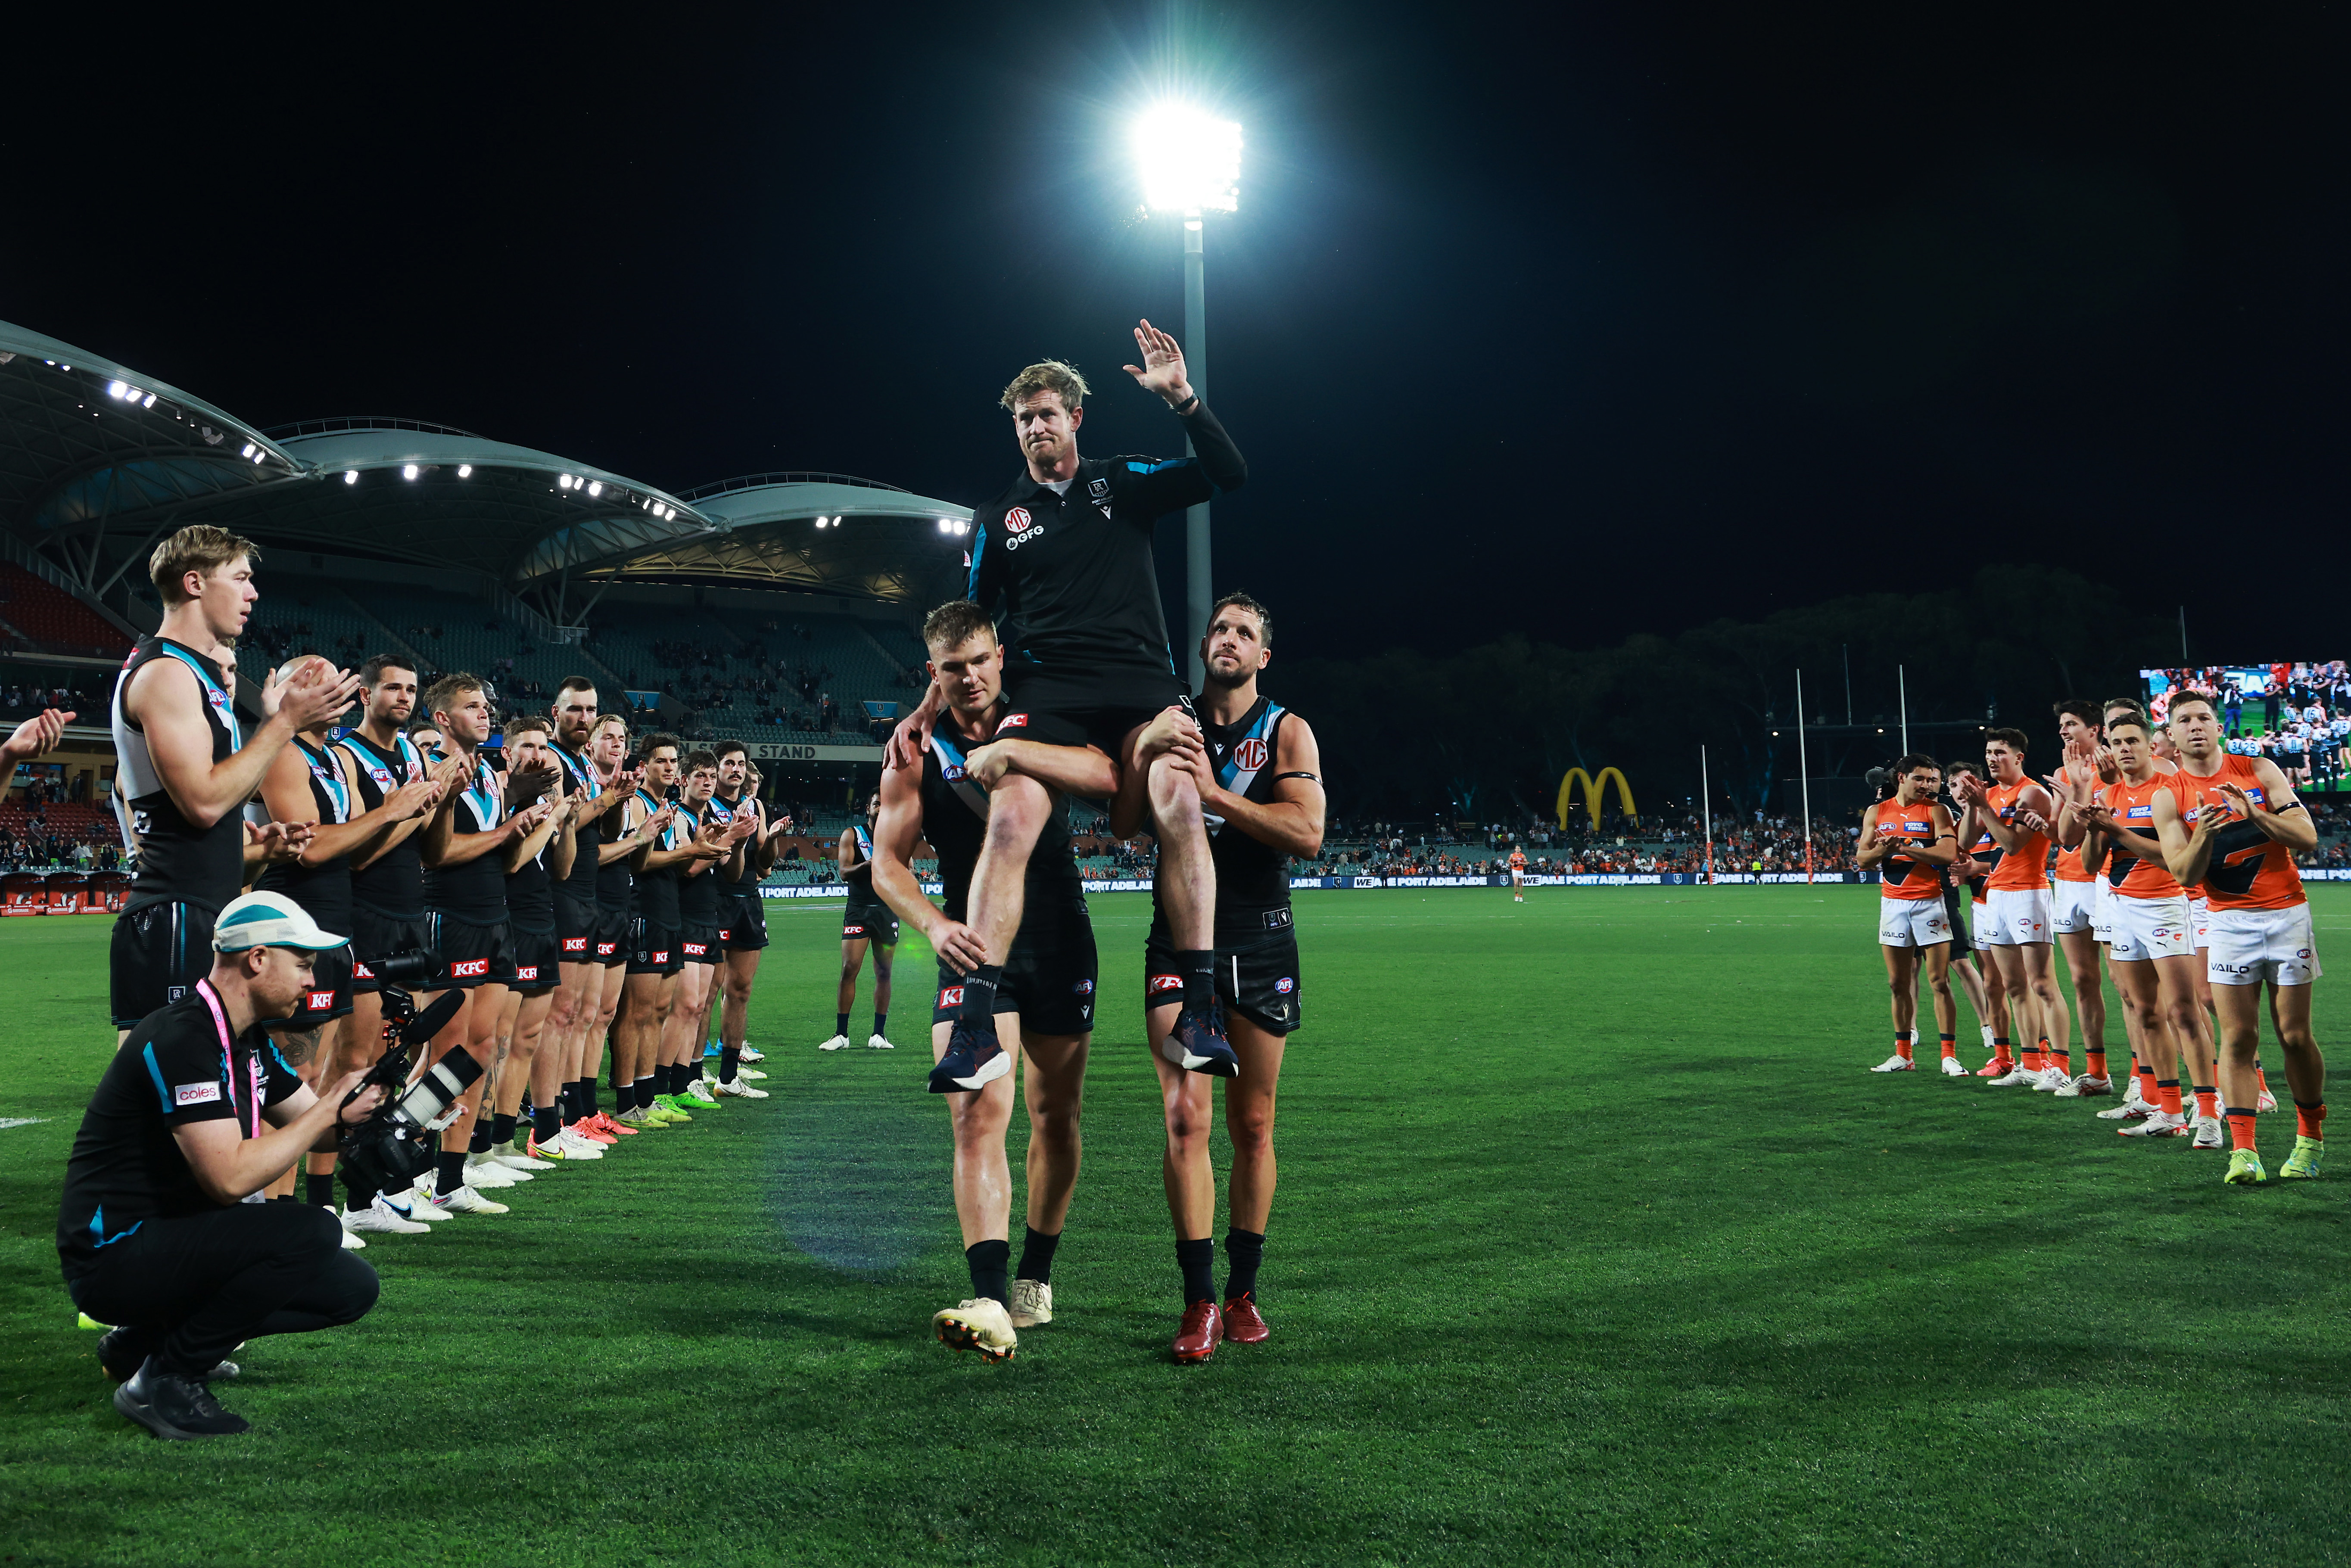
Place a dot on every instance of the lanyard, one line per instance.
(255, 1085)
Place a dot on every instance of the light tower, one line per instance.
(1191, 164)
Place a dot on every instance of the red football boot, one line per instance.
(1201, 1328)
(1244, 1325)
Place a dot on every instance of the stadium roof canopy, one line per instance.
(97, 461)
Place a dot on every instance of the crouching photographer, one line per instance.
(161, 1231)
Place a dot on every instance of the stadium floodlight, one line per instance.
(350, 476)
(595, 487)
(115, 389)
(464, 470)
(248, 450)
(409, 472)
(147, 401)
(1190, 160)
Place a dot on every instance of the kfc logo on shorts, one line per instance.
(1251, 754)
(662, 957)
(321, 1001)
(725, 935)
(574, 944)
(196, 1093)
(1284, 986)
(696, 949)
(951, 996)
(1166, 982)
(525, 972)
(849, 930)
(1013, 721)
(469, 969)
(362, 972)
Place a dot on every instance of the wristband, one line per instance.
(1188, 404)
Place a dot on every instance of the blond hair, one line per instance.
(198, 548)
(1052, 376)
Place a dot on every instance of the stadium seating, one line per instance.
(47, 618)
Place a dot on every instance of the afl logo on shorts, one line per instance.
(1251, 754)
(951, 996)
(1284, 986)
(469, 969)
(1083, 988)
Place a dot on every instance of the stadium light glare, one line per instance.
(147, 401)
(464, 470)
(408, 472)
(248, 450)
(115, 389)
(350, 476)
(595, 487)
(1190, 160)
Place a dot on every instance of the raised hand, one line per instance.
(36, 735)
(907, 743)
(528, 784)
(1162, 370)
(412, 799)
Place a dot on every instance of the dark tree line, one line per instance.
(1488, 733)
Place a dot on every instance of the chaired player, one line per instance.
(866, 923)
(1910, 839)
(186, 768)
(1045, 998)
(1066, 554)
(1256, 767)
(2015, 924)
(2153, 947)
(2233, 824)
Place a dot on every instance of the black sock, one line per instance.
(879, 1020)
(1199, 1261)
(285, 1197)
(680, 1074)
(1244, 1250)
(623, 1101)
(1199, 968)
(502, 1130)
(989, 1260)
(449, 1172)
(644, 1091)
(318, 1190)
(586, 1103)
(1037, 1254)
(479, 1144)
(979, 996)
(545, 1122)
(841, 1025)
(730, 1057)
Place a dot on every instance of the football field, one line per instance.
(1594, 1242)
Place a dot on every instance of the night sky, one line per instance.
(1573, 322)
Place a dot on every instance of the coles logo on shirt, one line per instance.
(469, 969)
(196, 1093)
(1166, 982)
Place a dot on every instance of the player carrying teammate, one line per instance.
(1047, 991)
(2233, 824)
(1911, 837)
(1256, 765)
(866, 923)
(1066, 554)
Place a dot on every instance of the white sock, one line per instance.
(1987, 1034)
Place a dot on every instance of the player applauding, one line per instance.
(1909, 839)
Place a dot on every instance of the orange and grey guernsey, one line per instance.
(2249, 869)
(2068, 866)
(2025, 866)
(1518, 859)
(1902, 877)
(2137, 876)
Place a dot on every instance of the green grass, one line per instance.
(1595, 1243)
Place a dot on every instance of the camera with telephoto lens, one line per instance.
(397, 1142)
